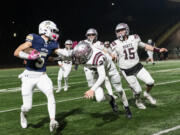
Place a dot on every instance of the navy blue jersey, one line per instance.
(45, 50)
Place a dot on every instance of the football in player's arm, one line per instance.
(43, 44)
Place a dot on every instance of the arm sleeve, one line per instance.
(142, 44)
(23, 55)
(64, 53)
(101, 78)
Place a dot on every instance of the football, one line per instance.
(29, 50)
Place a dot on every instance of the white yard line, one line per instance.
(167, 82)
(165, 70)
(167, 130)
(18, 88)
(15, 109)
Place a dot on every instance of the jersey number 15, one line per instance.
(129, 53)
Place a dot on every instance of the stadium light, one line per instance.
(14, 34)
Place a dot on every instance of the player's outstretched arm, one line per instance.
(155, 49)
(63, 52)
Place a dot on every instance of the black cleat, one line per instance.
(128, 112)
(112, 103)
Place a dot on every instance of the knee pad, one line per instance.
(151, 82)
(118, 87)
(99, 94)
(136, 88)
(115, 79)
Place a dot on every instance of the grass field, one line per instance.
(78, 116)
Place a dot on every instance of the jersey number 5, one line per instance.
(40, 61)
(129, 54)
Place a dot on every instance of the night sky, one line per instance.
(74, 17)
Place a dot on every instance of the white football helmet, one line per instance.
(92, 32)
(149, 41)
(49, 29)
(120, 27)
(82, 53)
(68, 44)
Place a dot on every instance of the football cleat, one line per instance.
(53, 125)
(65, 88)
(23, 120)
(150, 98)
(58, 90)
(140, 105)
(128, 112)
(112, 103)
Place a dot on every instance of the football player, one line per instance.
(125, 49)
(92, 39)
(93, 58)
(65, 67)
(35, 73)
(150, 53)
(107, 47)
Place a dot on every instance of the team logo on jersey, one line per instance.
(29, 38)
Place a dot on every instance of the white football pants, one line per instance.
(143, 75)
(32, 79)
(150, 54)
(64, 72)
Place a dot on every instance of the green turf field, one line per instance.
(78, 116)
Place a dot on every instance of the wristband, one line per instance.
(156, 50)
(23, 55)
